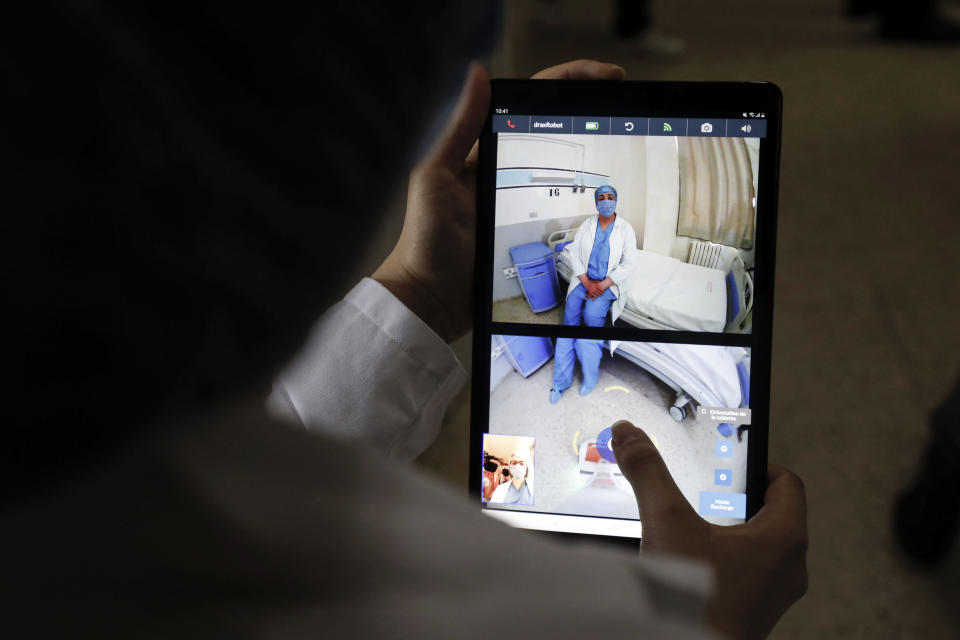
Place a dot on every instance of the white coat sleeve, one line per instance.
(372, 373)
(576, 264)
(628, 259)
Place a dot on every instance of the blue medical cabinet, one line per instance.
(537, 273)
(526, 354)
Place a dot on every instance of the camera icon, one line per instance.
(706, 127)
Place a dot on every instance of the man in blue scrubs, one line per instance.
(590, 301)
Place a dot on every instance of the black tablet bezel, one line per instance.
(633, 99)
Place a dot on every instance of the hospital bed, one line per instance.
(666, 293)
(710, 376)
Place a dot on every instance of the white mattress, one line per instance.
(706, 372)
(685, 296)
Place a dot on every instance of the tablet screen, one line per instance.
(622, 255)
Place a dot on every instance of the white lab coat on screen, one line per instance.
(623, 257)
(500, 493)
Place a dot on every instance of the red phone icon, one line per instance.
(511, 125)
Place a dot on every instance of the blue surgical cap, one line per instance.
(605, 189)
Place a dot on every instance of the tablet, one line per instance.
(624, 270)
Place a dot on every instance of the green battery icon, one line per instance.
(593, 126)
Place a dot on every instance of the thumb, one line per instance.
(669, 522)
(467, 121)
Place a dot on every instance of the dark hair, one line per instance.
(176, 179)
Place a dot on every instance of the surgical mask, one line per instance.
(518, 471)
(606, 207)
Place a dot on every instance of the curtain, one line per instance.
(716, 191)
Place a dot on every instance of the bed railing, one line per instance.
(559, 237)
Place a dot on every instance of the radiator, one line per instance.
(705, 254)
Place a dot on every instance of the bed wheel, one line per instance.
(678, 413)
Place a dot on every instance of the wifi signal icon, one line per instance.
(667, 127)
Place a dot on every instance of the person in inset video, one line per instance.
(603, 254)
(517, 491)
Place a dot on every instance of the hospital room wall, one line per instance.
(663, 198)
(628, 175)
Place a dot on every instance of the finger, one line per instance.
(468, 117)
(582, 70)
(662, 506)
(785, 500)
(470, 164)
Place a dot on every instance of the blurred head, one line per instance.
(176, 210)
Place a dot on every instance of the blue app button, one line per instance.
(723, 477)
(603, 445)
(725, 505)
(724, 449)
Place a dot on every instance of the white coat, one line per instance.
(500, 493)
(623, 257)
(263, 536)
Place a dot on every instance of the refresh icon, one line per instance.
(628, 125)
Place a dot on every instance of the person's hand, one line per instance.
(597, 287)
(587, 284)
(589, 287)
(430, 269)
(594, 289)
(760, 567)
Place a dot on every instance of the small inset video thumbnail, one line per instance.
(508, 470)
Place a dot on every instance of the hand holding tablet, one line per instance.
(760, 567)
(658, 365)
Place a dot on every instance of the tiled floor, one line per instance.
(866, 337)
(518, 310)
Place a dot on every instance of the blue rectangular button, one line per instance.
(724, 449)
(629, 126)
(702, 127)
(723, 477)
(511, 124)
(668, 126)
(726, 505)
(747, 128)
(551, 124)
(591, 124)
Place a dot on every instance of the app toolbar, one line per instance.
(607, 125)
